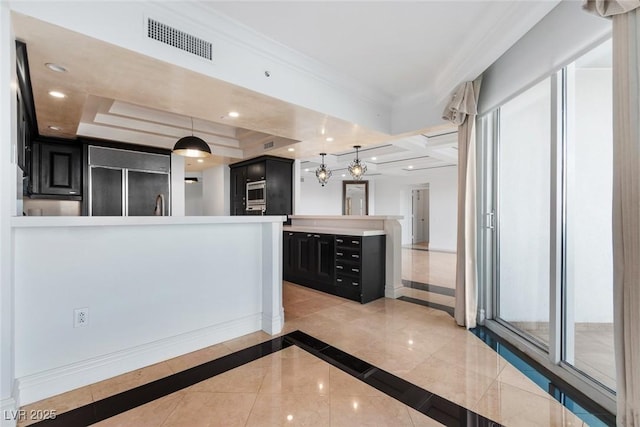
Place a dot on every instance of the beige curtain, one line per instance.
(626, 201)
(462, 111)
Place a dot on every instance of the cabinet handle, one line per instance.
(355, 270)
(308, 235)
(355, 256)
(316, 235)
(355, 283)
(338, 280)
(290, 234)
(339, 267)
(339, 240)
(339, 253)
(355, 242)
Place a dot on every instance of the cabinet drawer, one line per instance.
(343, 280)
(348, 241)
(348, 268)
(348, 254)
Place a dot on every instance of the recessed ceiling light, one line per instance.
(291, 149)
(54, 128)
(55, 67)
(234, 114)
(410, 167)
(306, 170)
(200, 160)
(57, 94)
(329, 139)
(373, 158)
(344, 174)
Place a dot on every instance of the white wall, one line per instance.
(177, 185)
(193, 196)
(215, 191)
(318, 200)
(393, 197)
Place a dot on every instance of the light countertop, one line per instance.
(97, 221)
(332, 230)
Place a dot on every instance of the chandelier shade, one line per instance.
(357, 168)
(322, 173)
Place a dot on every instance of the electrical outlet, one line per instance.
(80, 317)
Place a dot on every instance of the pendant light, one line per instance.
(192, 146)
(356, 168)
(322, 173)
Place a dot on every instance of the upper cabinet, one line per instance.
(56, 170)
(256, 171)
(278, 189)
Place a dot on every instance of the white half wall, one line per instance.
(154, 288)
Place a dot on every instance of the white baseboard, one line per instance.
(42, 385)
(9, 412)
(437, 249)
(273, 324)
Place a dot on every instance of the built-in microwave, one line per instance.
(256, 195)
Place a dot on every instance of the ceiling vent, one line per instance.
(268, 145)
(179, 39)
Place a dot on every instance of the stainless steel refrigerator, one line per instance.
(128, 183)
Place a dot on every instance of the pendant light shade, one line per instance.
(322, 173)
(192, 146)
(356, 168)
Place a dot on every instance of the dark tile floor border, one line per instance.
(445, 308)
(430, 404)
(442, 290)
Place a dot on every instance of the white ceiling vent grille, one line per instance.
(176, 38)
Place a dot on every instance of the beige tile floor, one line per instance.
(291, 387)
(429, 267)
(593, 348)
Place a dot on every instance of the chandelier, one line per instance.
(322, 173)
(356, 168)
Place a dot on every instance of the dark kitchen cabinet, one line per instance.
(256, 171)
(277, 173)
(360, 267)
(348, 266)
(56, 170)
(238, 178)
(310, 258)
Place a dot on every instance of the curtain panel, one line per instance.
(626, 201)
(462, 111)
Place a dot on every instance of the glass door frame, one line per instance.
(488, 187)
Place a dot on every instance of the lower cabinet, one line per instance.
(309, 260)
(348, 266)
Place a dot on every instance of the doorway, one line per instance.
(420, 217)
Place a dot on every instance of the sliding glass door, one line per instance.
(523, 163)
(548, 169)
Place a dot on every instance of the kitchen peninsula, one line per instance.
(330, 231)
(153, 288)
